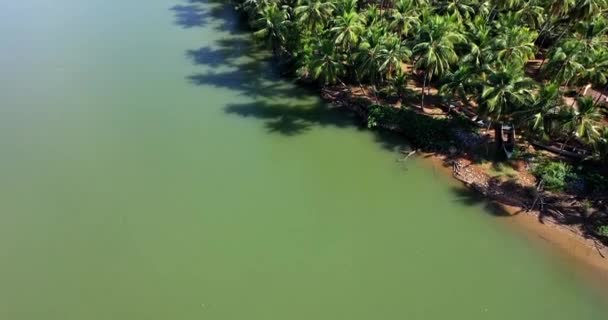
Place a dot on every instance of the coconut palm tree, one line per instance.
(251, 6)
(372, 16)
(345, 6)
(327, 64)
(541, 115)
(601, 146)
(461, 84)
(480, 40)
(405, 18)
(369, 53)
(585, 9)
(532, 13)
(508, 4)
(596, 72)
(585, 121)
(461, 9)
(347, 30)
(434, 48)
(313, 14)
(515, 45)
(397, 86)
(505, 91)
(271, 25)
(560, 8)
(591, 34)
(565, 61)
(392, 54)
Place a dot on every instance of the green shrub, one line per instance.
(554, 174)
(603, 230)
(596, 182)
(422, 131)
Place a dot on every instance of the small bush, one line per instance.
(596, 183)
(554, 174)
(603, 230)
(422, 131)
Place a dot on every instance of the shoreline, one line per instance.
(567, 242)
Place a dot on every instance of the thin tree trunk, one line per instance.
(498, 137)
(541, 65)
(601, 94)
(574, 101)
(490, 14)
(423, 88)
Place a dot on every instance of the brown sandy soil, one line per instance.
(533, 67)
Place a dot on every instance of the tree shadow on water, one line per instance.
(199, 13)
(236, 63)
(472, 198)
(292, 119)
(190, 15)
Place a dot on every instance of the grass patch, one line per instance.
(501, 170)
(603, 230)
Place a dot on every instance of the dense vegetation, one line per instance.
(527, 62)
(478, 52)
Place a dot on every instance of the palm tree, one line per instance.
(313, 14)
(560, 8)
(271, 25)
(397, 86)
(461, 9)
(392, 54)
(508, 4)
(461, 84)
(515, 45)
(405, 18)
(585, 121)
(369, 52)
(345, 6)
(541, 115)
(251, 6)
(372, 16)
(585, 9)
(347, 30)
(601, 146)
(480, 39)
(596, 72)
(591, 34)
(565, 61)
(327, 64)
(532, 13)
(506, 90)
(434, 49)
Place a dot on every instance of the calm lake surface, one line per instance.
(154, 166)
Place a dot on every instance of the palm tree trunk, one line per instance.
(423, 88)
(490, 14)
(561, 68)
(498, 136)
(601, 94)
(574, 101)
(541, 65)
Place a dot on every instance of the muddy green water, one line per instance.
(154, 167)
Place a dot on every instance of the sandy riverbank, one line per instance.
(559, 238)
(566, 242)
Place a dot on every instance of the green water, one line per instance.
(154, 167)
